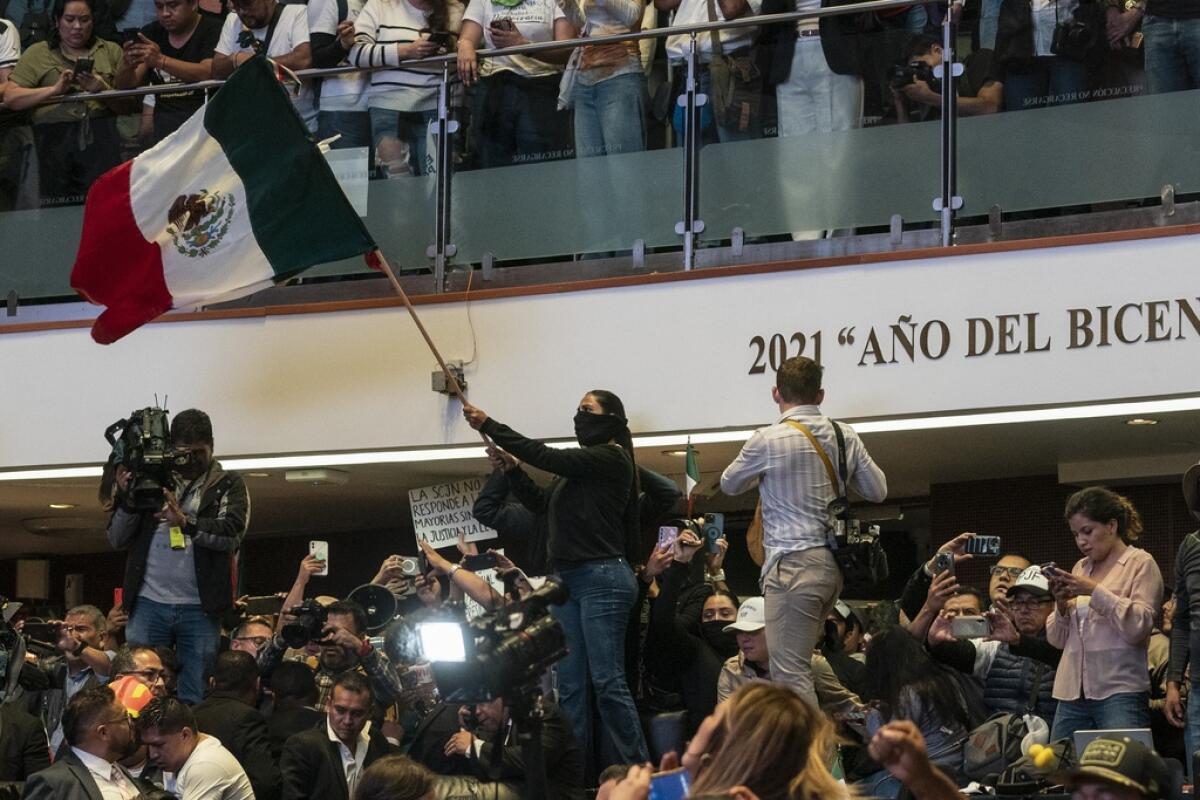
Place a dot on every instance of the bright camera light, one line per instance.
(442, 641)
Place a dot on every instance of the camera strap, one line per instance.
(275, 15)
(833, 478)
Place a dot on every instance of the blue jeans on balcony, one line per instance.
(595, 618)
(409, 127)
(1045, 81)
(1172, 54)
(1121, 710)
(354, 127)
(610, 116)
(194, 634)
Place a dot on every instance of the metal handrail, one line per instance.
(537, 47)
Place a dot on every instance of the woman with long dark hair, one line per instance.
(904, 683)
(1103, 617)
(76, 142)
(592, 509)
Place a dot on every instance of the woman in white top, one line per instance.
(514, 111)
(403, 100)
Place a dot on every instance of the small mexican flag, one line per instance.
(692, 479)
(239, 198)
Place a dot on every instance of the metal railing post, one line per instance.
(691, 101)
(949, 202)
(442, 249)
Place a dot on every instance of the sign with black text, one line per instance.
(442, 513)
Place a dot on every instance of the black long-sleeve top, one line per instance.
(1185, 629)
(690, 656)
(590, 509)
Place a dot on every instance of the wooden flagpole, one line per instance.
(455, 388)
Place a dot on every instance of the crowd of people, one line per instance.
(181, 691)
(782, 79)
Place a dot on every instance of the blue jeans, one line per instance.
(1047, 81)
(595, 618)
(354, 126)
(194, 635)
(610, 116)
(989, 20)
(410, 127)
(1172, 54)
(1122, 710)
(1191, 731)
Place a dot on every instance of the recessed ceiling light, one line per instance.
(61, 506)
(258, 474)
(1141, 421)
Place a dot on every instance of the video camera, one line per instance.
(142, 444)
(502, 654)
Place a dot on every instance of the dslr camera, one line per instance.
(142, 444)
(901, 75)
(307, 626)
(1073, 39)
(248, 41)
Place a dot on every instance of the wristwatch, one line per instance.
(715, 577)
(453, 569)
(1135, 5)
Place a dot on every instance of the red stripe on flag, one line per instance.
(115, 265)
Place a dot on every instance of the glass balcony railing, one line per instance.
(627, 140)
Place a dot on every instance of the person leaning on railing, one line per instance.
(77, 141)
(515, 106)
(403, 100)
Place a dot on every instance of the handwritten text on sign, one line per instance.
(441, 513)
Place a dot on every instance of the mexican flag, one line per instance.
(239, 198)
(692, 478)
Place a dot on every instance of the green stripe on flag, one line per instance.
(298, 211)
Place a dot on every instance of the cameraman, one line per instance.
(918, 94)
(490, 762)
(180, 567)
(81, 662)
(344, 648)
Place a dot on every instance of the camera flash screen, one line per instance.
(442, 641)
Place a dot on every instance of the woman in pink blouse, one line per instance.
(1104, 612)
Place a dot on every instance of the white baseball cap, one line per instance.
(751, 617)
(1033, 581)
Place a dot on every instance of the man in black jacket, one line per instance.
(23, 748)
(295, 692)
(326, 763)
(180, 567)
(491, 764)
(229, 713)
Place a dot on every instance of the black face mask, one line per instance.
(714, 633)
(592, 429)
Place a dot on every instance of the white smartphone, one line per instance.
(320, 551)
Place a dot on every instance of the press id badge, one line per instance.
(178, 542)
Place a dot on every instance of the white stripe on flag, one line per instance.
(220, 255)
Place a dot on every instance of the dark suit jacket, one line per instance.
(23, 747)
(284, 723)
(243, 731)
(311, 765)
(68, 779)
(564, 762)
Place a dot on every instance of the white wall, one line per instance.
(678, 353)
